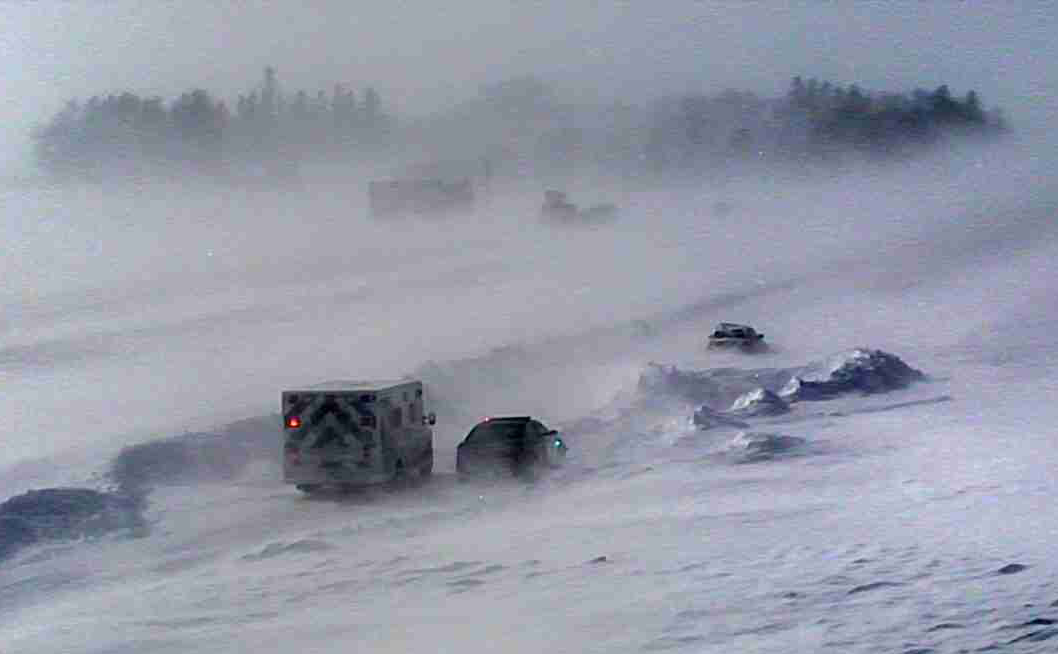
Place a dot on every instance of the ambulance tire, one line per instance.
(426, 467)
(400, 474)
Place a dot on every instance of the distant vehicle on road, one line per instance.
(558, 209)
(347, 434)
(734, 335)
(506, 446)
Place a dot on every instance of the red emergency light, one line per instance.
(293, 422)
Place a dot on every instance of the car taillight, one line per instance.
(293, 422)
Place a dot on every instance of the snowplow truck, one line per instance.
(347, 434)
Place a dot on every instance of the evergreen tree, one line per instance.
(299, 108)
(972, 108)
(944, 109)
(340, 113)
(269, 93)
(372, 111)
(321, 107)
(797, 94)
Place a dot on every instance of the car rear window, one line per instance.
(497, 432)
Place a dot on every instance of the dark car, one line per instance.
(734, 335)
(518, 446)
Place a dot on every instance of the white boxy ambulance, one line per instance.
(349, 433)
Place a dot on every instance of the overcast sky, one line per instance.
(426, 54)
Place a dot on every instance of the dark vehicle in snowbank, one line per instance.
(730, 335)
(506, 446)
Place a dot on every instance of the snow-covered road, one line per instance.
(916, 520)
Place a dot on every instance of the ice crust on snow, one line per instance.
(706, 418)
(748, 446)
(860, 370)
(280, 548)
(759, 402)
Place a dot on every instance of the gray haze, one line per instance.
(425, 55)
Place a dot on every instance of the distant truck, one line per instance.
(347, 434)
(558, 209)
(419, 196)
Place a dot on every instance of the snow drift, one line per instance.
(751, 447)
(759, 402)
(727, 396)
(64, 514)
(859, 370)
(706, 418)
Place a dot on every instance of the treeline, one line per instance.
(814, 120)
(125, 131)
(267, 118)
(520, 125)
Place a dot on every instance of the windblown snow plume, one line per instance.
(195, 456)
(716, 387)
(859, 370)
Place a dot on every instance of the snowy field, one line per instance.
(920, 519)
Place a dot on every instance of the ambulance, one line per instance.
(346, 434)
